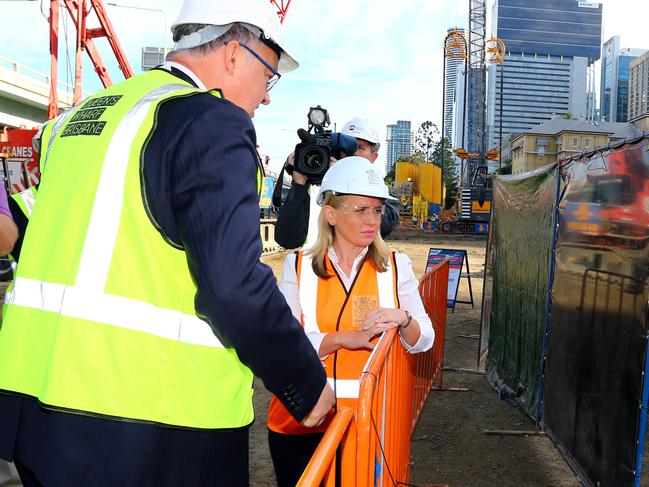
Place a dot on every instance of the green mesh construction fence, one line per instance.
(516, 284)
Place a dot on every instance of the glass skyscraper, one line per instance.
(549, 46)
(614, 88)
(400, 141)
(453, 65)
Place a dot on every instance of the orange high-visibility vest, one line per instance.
(328, 307)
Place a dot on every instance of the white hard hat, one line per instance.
(258, 14)
(353, 175)
(360, 128)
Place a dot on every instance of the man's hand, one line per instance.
(298, 177)
(320, 411)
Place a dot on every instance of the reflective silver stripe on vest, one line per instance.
(76, 302)
(86, 299)
(308, 292)
(345, 389)
(28, 198)
(106, 213)
(58, 123)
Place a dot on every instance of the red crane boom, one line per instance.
(79, 10)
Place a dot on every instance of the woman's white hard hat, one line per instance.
(353, 175)
(219, 15)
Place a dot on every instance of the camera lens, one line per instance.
(313, 160)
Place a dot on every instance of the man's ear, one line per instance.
(232, 55)
(375, 156)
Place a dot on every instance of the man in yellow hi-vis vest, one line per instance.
(140, 310)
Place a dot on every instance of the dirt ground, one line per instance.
(449, 445)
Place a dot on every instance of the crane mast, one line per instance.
(476, 103)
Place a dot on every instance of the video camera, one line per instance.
(319, 145)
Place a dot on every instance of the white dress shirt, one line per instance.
(408, 293)
(181, 67)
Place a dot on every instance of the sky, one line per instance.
(378, 59)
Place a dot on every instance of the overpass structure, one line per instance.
(24, 95)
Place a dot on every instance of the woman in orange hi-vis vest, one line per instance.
(346, 290)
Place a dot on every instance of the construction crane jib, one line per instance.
(79, 11)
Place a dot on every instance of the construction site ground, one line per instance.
(449, 445)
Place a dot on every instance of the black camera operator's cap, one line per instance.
(258, 16)
(353, 175)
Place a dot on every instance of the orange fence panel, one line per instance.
(433, 288)
(376, 442)
(322, 465)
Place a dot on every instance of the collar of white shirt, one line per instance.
(172, 64)
(335, 261)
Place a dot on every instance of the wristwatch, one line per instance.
(408, 320)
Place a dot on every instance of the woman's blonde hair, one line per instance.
(378, 253)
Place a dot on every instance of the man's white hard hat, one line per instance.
(361, 128)
(258, 16)
(353, 175)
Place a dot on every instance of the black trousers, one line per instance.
(291, 455)
(56, 449)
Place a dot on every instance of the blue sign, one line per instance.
(481, 228)
(456, 259)
(266, 192)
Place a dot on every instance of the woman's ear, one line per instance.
(329, 213)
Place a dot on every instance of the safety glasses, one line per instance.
(273, 79)
(363, 211)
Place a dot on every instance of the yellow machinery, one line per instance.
(418, 187)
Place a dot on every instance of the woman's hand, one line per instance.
(354, 340)
(351, 340)
(408, 326)
(384, 316)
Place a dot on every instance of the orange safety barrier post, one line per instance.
(384, 415)
(395, 385)
(322, 465)
(433, 288)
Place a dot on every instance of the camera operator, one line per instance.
(292, 227)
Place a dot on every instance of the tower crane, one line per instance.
(474, 198)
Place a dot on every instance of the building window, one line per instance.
(575, 142)
(541, 144)
(586, 142)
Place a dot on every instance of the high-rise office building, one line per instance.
(453, 65)
(399, 139)
(459, 127)
(549, 46)
(614, 87)
(639, 86)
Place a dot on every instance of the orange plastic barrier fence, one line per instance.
(375, 445)
(430, 365)
(324, 469)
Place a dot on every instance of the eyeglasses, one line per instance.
(274, 78)
(363, 211)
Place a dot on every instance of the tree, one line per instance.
(416, 158)
(505, 169)
(425, 140)
(449, 175)
(389, 177)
